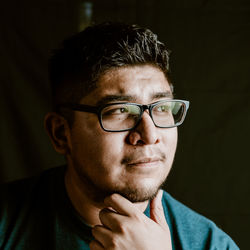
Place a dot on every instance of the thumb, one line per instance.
(156, 210)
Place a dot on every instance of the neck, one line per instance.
(82, 198)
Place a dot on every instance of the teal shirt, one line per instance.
(36, 213)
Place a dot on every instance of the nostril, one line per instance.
(133, 138)
(140, 142)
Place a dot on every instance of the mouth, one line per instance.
(145, 162)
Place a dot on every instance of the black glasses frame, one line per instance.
(98, 110)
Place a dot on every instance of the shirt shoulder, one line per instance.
(190, 230)
(20, 192)
(26, 207)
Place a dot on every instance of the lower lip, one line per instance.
(151, 164)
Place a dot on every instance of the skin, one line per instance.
(111, 176)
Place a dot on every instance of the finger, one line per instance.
(111, 219)
(95, 245)
(104, 237)
(101, 234)
(120, 204)
(156, 210)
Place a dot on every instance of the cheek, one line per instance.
(95, 147)
(109, 148)
(170, 140)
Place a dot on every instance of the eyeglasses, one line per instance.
(125, 116)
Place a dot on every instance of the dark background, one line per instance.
(210, 44)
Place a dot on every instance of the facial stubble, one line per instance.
(98, 192)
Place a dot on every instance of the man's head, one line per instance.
(105, 65)
(75, 68)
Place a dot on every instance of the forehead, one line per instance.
(142, 84)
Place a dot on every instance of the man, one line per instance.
(115, 121)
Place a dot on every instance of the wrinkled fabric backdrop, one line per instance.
(210, 44)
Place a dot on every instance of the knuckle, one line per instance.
(114, 243)
(123, 228)
(127, 226)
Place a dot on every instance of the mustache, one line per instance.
(141, 154)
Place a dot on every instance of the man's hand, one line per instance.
(126, 227)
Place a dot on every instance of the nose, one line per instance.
(145, 133)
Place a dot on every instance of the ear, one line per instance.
(58, 130)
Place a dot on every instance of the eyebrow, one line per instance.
(167, 94)
(131, 98)
(115, 98)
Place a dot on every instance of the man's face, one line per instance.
(133, 163)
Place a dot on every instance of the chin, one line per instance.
(139, 194)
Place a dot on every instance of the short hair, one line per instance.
(75, 68)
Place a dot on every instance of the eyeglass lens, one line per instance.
(125, 116)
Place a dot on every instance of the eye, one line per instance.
(115, 110)
(118, 110)
(123, 110)
(163, 108)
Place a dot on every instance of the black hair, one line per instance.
(75, 68)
